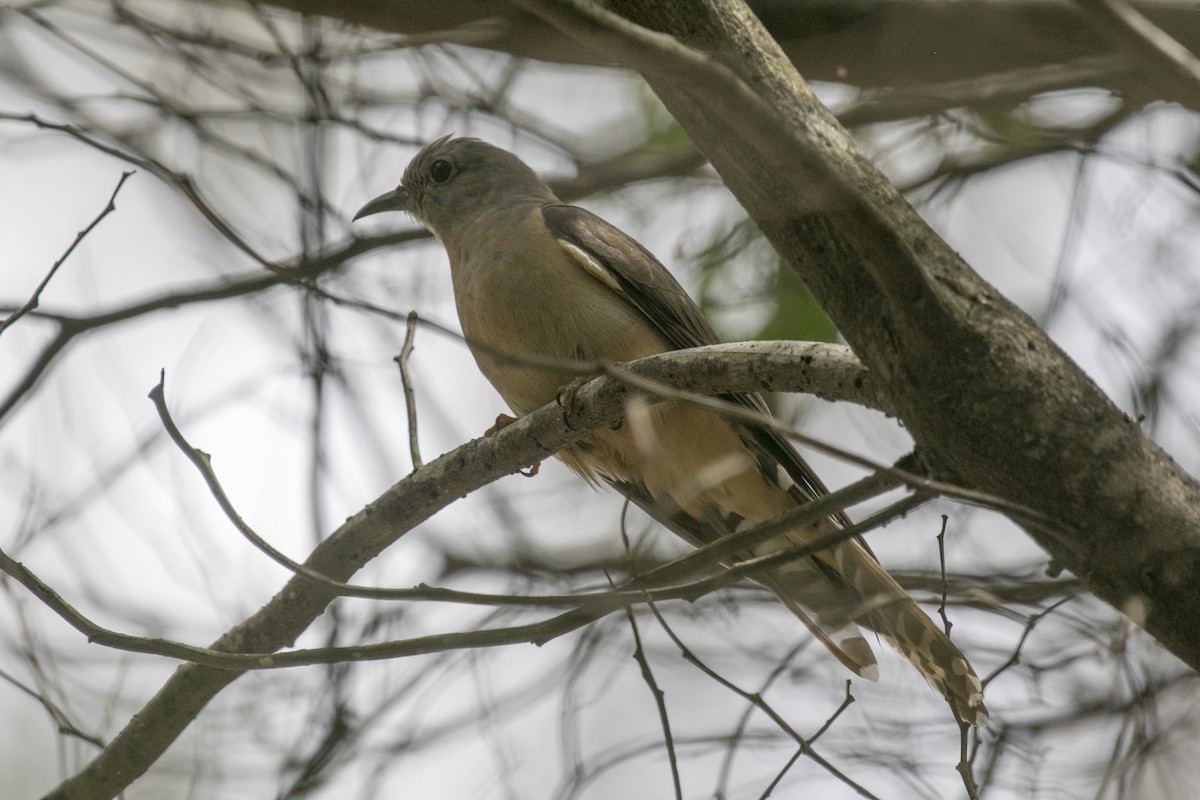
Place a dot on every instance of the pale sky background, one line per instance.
(152, 554)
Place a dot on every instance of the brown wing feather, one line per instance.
(651, 287)
(634, 272)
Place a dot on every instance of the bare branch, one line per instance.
(410, 400)
(1165, 57)
(588, 607)
(298, 272)
(639, 655)
(762, 705)
(849, 698)
(967, 366)
(32, 302)
(666, 363)
(998, 89)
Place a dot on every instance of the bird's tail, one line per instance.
(887, 609)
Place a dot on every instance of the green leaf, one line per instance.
(796, 314)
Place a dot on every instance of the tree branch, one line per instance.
(1000, 89)
(35, 298)
(829, 40)
(277, 624)
(998, 405)
(1160, 55)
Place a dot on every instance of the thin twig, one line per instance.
(667, 581)
(849, 698)
(639, 655)
(1015, 657)
(203, 463)
(739, 731)
(537, 633)
(35, 298)
(964, 765)
(1155, 49)
(761, 704)
(410, 400)
(941, 540)
(298, 271)
(985, 92)
(533, 633)
(846, 701)
(183, 183)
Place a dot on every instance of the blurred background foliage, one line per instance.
(1049, 152)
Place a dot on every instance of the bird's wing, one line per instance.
(621, 263)
(634, 271)
(627, 268)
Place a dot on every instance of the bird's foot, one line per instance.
(502, 422)
(566, 397)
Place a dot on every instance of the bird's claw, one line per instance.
(566, 397)
(502, 422)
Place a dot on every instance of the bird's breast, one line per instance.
(520, 312)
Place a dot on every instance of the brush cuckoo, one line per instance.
(535, 277)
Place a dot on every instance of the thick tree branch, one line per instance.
(365, 535)
(883, 43)
(985, 393)
(999, 406)
(1162, 56)
(715, 369)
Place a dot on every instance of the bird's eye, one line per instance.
(440, 171)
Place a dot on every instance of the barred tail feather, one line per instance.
(845, 642)
(941, 663)
(894, 615)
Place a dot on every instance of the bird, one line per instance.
(539, 283)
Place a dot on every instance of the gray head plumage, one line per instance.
(453, 181)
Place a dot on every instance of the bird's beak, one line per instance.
(396, 200)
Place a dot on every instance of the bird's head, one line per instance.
(452, 183)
